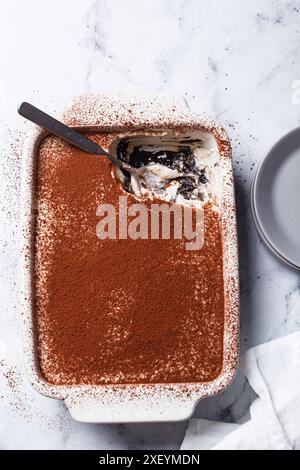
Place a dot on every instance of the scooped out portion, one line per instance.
(182, 169)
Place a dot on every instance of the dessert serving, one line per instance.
(126, 311)
(118, 319)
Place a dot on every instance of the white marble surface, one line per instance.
(236, 60)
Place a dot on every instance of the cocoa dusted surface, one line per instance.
(118, 311)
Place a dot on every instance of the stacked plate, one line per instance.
(275, 199)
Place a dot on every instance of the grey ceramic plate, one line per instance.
(275, 199)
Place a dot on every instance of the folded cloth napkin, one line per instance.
(273, 371)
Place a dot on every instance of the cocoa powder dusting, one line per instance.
(118, 311)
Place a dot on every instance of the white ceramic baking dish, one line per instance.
(132, 403)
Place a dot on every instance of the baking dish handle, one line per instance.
(110, 111)
(117, 409)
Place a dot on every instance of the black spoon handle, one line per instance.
(56, 127)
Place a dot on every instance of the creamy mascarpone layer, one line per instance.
(175, 167)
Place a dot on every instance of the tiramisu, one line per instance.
(121, 311)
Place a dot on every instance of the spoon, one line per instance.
(72, 136)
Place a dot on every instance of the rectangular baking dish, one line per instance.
(132, 403)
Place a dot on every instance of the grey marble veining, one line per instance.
(237, 61)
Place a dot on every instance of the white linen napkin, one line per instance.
(273, 371)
